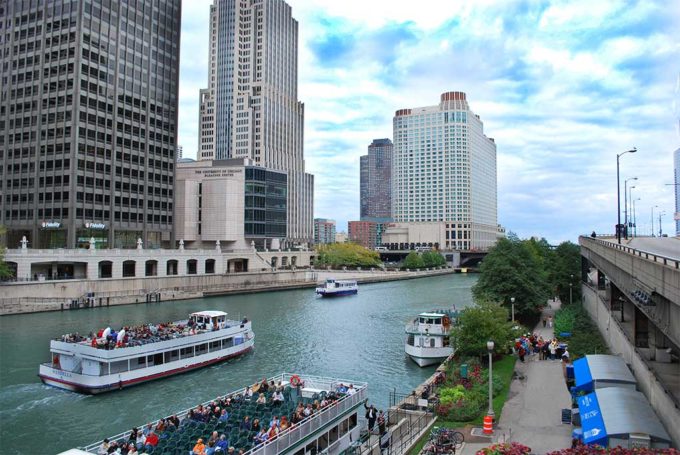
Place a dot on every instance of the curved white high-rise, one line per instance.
(443, 177)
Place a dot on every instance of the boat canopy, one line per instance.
(597, 371)
(432, 315)
(209, 314)
(618, 413)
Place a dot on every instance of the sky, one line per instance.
(562, 87)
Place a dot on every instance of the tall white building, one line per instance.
(250, 108)
(443, 178)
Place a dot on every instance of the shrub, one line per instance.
(468, 407)
(585, 337)
(507, 448)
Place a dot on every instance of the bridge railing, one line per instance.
(654, 257)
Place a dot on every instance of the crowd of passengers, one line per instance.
(141, 442)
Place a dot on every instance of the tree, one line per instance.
(413, 261)
(478, 324)
(567, 262)
(346, 255)
(433, 259)
(5, 271)
(512, 269)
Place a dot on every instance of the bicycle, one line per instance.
(447, 436)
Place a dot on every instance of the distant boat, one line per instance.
(427, 337)
(332, 288)
(111, 361)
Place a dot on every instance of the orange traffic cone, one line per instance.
(488, 425)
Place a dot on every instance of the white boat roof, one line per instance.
(432, 315)
(210, 314)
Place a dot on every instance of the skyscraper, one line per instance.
(443, 177)
(376, 181)
(324, 231)
(250, 108)
(88, 121)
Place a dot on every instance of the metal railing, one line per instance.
(296, 433)
(658, 258)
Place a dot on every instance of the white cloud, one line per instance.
(562, 88)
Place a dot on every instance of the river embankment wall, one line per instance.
(73, 294)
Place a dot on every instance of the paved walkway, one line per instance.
(532, 414)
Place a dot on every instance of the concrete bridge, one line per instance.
(632, 291)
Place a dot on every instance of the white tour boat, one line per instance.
(332, 288)
(333, 429)
(112, 361)
(427, 337)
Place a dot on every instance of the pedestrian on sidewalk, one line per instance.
(553, 348)
(545, 321)
(550, 322)
(371, 415)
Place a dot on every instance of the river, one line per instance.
(355, 337)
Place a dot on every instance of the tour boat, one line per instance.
(427, 337)
(332, 287)
(111, 361)
(333, 429)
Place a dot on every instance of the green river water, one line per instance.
(357, 337)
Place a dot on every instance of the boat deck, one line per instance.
(182, 439)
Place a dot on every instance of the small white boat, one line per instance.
(427, 337)
(111, 361)
(332, 288)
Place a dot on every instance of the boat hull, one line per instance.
(425, 356)
(93, 385)
(338, 293)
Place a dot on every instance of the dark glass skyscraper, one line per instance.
(88, 121)
(376, 181)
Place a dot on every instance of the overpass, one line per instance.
(457, 258)
(632, 291)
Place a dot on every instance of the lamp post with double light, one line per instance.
(661, 227)
(571, 285)
(653, 207)
(618, 193)
(635, 218)
(489, 347)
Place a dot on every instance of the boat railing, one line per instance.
(295, 433)
(418, 328)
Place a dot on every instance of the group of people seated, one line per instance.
(108, 338)
(219, 410)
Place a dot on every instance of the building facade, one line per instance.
(232, 202)
(324, 231)
(443, 178)
(250, 108)
(364, 233)
(376, 181)
(88, 121)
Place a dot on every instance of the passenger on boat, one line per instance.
(261, 437)
(351, 390)
(213, 437)
(256, 425)
(104, 447)
(277, 398)
(151, 441)
(222, 445)
(248, 393)
(141, 439)
(273, 432)
(264, 386)
(224, 416)
(261, 399)
(199, 448)
(210, 449)
(285, 424)
(274, 421)
(245, 424)
(161, 426)
(341, 388)
(174, 421)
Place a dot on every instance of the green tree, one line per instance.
(413, 261)
(478, 324)
(566, 262)
(512, 269)
(433, 259)
(5, 271)
(346, 255)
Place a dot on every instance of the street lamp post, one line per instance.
(618, 193)
(653, 207)
(635, 218)
(629, 219)
(512, 303)
(625, 202)
(660, 227)
(571, 284)
(489, 347)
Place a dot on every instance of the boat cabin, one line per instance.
(434, 319)
(208, 319)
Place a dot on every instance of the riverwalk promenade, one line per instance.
(532, 413)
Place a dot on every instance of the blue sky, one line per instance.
(562, 87)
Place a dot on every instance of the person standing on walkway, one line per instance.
(545, 321)
(371, 415)
(550, 322)
(553, 349)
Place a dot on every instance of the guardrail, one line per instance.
(675, 263)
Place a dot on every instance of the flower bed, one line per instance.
(507, 448)
(597, 450)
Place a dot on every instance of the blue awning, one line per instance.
(594, 431)
(583, 378)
